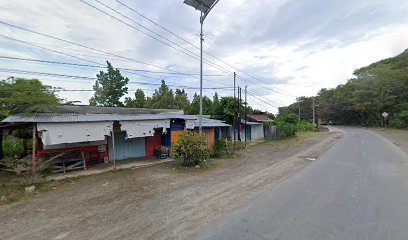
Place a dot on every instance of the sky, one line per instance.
(280, 49)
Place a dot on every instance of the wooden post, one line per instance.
(34, 157)
(113, 149)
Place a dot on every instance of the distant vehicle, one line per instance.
(331, 123)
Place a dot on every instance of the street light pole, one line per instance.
(200, 121)
(204, 7)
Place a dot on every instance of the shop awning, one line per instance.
(136, 129)
(58, 133)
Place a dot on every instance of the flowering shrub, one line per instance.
(190, 150)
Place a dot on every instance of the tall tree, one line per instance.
(195, 105)
(181, 100)
(163, 97)
(138, 102)
(109, 87)
(216, 108)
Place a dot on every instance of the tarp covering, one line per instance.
(58, 133)
(136, 129)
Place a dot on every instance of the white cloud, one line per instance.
(293, 45)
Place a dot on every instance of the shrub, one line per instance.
(190, 150)
(400, 120)
(286, 129)
(218, 148)
(304, 126)
(13, 149)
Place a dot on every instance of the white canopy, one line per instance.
(58, 133)
(143, 128)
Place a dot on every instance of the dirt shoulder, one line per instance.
(158, 202)
(398, 136)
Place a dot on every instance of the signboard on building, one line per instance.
(190, 125)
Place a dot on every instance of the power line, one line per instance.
(178, 48)
(69, 55)
(83, 46)
(91, 48)
(260, 99)
(17, 71)
(98, 66)
(177, 36)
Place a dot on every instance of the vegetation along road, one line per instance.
(158, 202)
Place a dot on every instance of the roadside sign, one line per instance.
(190, 125)
(385, 114)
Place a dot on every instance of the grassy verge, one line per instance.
(300, 136)
(15, 191)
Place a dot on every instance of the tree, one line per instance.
(377, 88)
(181, 100)
(29, 94)
(216, 109)
(163, 97)
(195, 105)
(109, 87)
(138, 102)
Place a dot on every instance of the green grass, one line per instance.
(14, 191)
(300, 136)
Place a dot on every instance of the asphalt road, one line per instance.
(358, 189)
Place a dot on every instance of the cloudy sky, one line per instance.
(280, 49)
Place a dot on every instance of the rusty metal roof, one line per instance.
(259, 118)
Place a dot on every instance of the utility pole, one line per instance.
(239, 114)
(299, 109)
(313, 107)
(245, 112)
(200, 122)
(235, 110)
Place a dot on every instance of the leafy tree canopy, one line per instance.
(17, 92)
(109, 87)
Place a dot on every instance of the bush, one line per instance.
(304, 126)
(190, 150)
(286, 129)
(218, 148)
(13, 149)
(400, 120)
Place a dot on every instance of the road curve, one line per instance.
(358, 189)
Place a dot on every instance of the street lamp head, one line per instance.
(204, 6)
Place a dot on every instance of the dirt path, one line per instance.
(156, 202)
(397, 136)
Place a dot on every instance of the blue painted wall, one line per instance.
(166, 138)
(126, 149)
(177, 124)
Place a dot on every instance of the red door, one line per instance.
(152, 143)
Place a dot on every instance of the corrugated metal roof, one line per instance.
(207, 122)
(85, 109)
(74, 117)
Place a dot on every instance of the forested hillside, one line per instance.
(377, 88)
